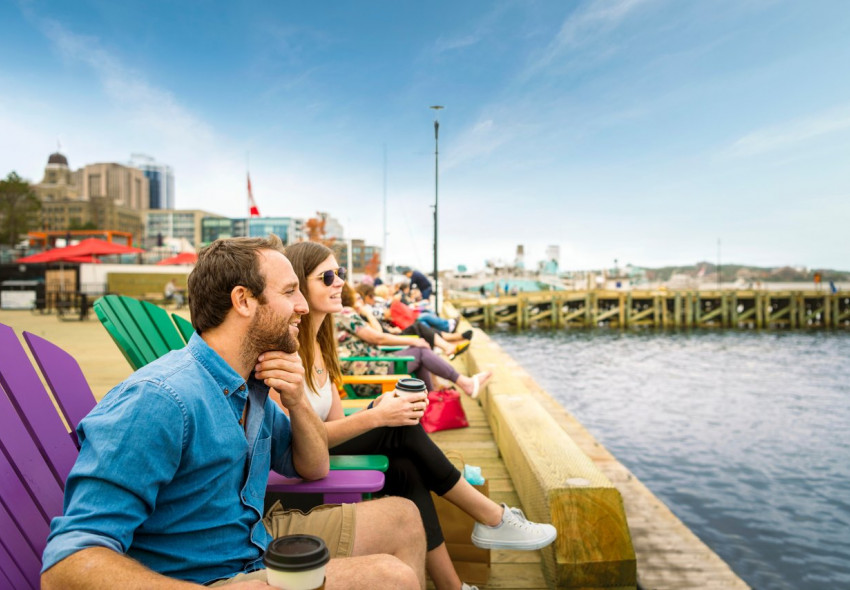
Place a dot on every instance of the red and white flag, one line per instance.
(253, 211)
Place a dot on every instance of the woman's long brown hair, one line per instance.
(305, 257)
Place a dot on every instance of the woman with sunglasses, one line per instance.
(391, 427)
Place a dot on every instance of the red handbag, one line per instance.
(402, 315)
(444, 411)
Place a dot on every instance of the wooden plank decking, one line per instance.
(508, 569)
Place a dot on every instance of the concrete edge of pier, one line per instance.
(668, 554)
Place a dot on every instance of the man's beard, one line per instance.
(268, 332)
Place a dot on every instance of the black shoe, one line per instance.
(467, 335)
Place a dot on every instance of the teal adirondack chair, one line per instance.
(144, 332)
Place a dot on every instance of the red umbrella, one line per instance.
(90, 259)
(182, 258)
(89, 247)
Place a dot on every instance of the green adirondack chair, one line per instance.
(144, 332)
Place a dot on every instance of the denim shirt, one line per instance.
(167, 475)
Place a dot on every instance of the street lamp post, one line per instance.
(437, 109)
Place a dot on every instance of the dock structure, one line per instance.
(760, 309)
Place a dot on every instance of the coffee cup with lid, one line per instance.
(296, 562)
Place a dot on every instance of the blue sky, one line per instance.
(637, 130)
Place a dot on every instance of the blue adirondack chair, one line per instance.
(37, 453)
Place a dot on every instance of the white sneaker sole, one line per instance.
(514, 545)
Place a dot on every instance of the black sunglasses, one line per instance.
(328, 276)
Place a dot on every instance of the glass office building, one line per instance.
(289, 229)
(160, 180)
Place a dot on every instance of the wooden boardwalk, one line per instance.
(661, 309)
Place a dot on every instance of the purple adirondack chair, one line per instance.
(37, 453)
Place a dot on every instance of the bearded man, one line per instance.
(169, 485)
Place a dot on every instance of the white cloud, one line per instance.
(443, 45)
(584, 25)
(480, 140)
(791, 133)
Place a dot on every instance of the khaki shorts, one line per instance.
(334, 523)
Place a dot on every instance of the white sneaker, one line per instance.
(465, 586)
(514, 532)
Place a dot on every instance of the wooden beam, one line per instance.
(608, 314)
(575, 314)
(557, 482)
(718, 311)
(639, 315)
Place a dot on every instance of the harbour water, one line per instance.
(745, 435)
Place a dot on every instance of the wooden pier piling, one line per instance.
(804, 309)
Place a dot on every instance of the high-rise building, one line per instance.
(161, 181)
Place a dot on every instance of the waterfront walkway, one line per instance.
(668, 554)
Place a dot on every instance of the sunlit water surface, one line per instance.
(744, 435)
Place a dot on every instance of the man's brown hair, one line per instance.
(221, 266)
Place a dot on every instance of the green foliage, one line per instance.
(75, 225)
(18, 209)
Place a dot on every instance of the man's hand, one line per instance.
(284, 373)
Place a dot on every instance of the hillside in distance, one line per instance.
(734, 272)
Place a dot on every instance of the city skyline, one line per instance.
(637, 130)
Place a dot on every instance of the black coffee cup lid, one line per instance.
(410, 384)
(296, 553)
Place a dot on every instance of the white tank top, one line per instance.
(321, 400)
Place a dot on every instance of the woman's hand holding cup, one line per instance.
(401, 410)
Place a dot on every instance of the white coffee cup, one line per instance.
(296, 562)
(409, 385)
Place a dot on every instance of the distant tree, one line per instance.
(18, 209)
(75, 225)
(373, 267)
(786, 274)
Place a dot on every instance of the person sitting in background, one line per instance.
(356, 338)
(401, 292)
(435, 339)
(172, 293)
(391, 427)
(402, 314)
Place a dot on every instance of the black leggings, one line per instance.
(417, 468)
(426, 362)
(423, 331)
